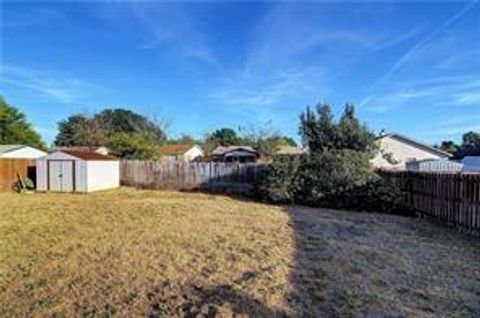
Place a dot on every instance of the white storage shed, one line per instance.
(77, 171)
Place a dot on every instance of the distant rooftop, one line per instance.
(179, 149)
(220, 150)
(290, 150)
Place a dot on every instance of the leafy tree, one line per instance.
(288, 141)
(221, 137)
(79, 130)
(184, 139)
(264, 139)
(225, 137)
(471, 138)
(448, 146)
(353, 135)
(318, 130)
(113, 121)
(129, 146)
(15, 129)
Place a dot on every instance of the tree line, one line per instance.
(134, 136)
(470, 142)
(130, 135)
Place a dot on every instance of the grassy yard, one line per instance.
(160, 253)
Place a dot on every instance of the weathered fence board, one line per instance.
(451, 198)
(224, 177)
(11, 168)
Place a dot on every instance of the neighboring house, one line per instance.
(100, 150)
(182, 152)
(77, 171)
(289, 151)
(235, 154)
(396, 150)
(20, 152)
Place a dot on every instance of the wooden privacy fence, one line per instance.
(452, 198)
(11, 168)
(216, 176)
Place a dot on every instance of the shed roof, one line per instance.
(89, 156)
(176, 149)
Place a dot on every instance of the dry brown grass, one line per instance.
(141, 252)
(158, 253)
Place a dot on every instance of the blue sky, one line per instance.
(412, 68)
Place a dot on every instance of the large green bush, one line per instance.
(340, 179)
(277, 183)
(335, 172)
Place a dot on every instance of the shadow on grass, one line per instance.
(354, 264)
(207, 301)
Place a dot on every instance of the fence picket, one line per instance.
(231, 177)
(451, 198)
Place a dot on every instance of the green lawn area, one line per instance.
(160, 253)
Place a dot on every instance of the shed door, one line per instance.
(61, 176)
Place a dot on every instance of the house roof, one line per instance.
(417, 144)
(88, 155)
(8, 148)
(179, 149)
(221, 151)
(290, 150)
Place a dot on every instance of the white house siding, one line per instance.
(193, 153)
(24, 153)
(401, 152)
(102, 175)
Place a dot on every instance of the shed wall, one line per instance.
(102, 175)
(80, 172)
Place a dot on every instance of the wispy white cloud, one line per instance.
(168, 27)
(436, 91)
(296, 51)
(422, 44)
(470, 98)
(64, 89)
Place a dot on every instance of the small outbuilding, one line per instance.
(77, 171)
